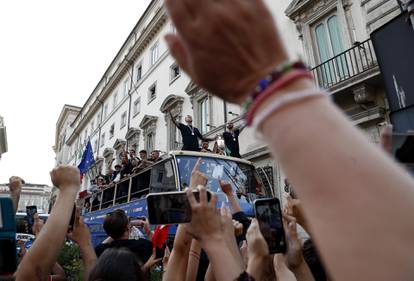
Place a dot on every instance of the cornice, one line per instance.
(135, 51)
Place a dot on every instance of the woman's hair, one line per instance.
(117, 264)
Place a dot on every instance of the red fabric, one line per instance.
(160, 236)
(81, 178)
(83, 194)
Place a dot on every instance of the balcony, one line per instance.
(354, 65)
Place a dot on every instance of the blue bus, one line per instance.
(173, 173)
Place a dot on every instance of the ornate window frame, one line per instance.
(149, 127)
(173, 104)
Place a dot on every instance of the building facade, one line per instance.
(3, 137)
(335, 37)
(130, 104)
(31, 195)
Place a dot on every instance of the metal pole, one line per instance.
(225, 114)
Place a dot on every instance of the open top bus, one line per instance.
(173, 173)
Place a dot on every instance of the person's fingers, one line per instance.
(191, 199)
(167, 251)
(154, 252)
(77, 216)
(293, 230)
(223, 209)
(213, 201)
(254, 226)
(157, 260)
(197, 165)
(178, 51)
(203, 196)
(179, 12)
(227, 212)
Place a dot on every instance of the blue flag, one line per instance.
(87, 159)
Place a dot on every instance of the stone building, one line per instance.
(129, 106)
(3, 137)
(31, 195)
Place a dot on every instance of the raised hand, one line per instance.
(15, 185)
(37, 224)
(256, 244)
(293, 208)
(293, 256)
(206, 222)
(257, 250)
(166, 258)
(226, 187)
(66, 178)
(229, 32)
(151, 261)
(80, 233)
(197, 177)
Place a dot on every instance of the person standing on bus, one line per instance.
(231, 139)
(190, 134)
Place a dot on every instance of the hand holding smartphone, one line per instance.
(269, 215)
(170, 207)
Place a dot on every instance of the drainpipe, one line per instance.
(130, 98)
(100, 127)
(225, 114)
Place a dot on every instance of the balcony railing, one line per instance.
(346, 65)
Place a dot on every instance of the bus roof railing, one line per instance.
(208, 155)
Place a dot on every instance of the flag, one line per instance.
(87, 159)
(159, 238)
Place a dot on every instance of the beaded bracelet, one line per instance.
(284, 81)
(275, 75)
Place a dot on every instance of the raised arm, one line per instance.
(348, 187)
(82, 237)
(15, 188)
(174, 120)
(228, 190)
(178, 260)
(38, 262)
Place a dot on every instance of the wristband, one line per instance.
(284, 81)
(284, 100)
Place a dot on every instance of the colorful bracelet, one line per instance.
(282, 82)
(278, 72)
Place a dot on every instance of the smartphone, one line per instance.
(403, 148)
(72, 218)
(8, 253)
(269, 215)
(170, 207)
(30, 211)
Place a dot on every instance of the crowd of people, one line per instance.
(352, 199)
(130, 251)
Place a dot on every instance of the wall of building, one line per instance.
(31, 195)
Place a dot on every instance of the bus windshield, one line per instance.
(242, 177)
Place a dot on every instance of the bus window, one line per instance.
(96, 201)
(162, 177)
(140, 185)
(122, 192)
(241, 176)
(108, 197)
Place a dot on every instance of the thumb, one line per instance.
(178, 50)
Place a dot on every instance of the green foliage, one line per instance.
(70, 259)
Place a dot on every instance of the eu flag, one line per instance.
(87, 159)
